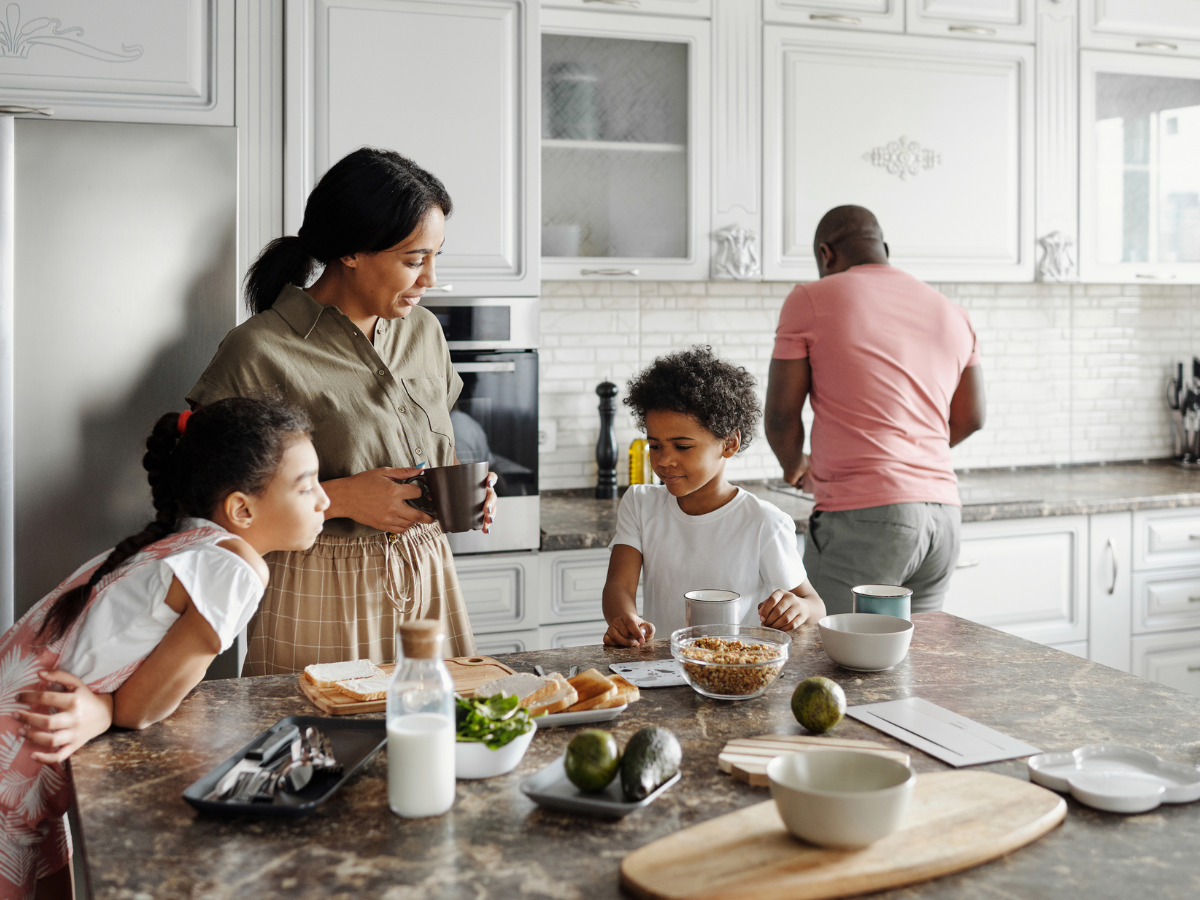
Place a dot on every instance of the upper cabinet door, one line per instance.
(700, 9)
(934, 135)
(625, 176)
(132, 61)
(1169, 27)
(996, 20)
(1139, 174)
(853, 15)
(450, 84)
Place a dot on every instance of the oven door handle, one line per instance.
(466, 367)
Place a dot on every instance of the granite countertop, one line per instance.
(575, 520)
(143, 841)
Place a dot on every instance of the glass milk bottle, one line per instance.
(420, 725)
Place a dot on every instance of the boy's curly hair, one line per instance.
(717, 394)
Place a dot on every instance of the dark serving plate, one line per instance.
(354, 743)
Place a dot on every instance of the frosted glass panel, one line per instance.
(1147, 190)
(614, 148)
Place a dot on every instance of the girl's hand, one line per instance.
(628, 630)
(375, 499)
(82, 716)
(783, 610)
(489, 504)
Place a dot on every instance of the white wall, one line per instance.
(1074, 373)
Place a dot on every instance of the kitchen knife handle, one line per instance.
(272, 742)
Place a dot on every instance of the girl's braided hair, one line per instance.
(230, 445)
(718, 395)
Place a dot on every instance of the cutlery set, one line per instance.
(283, 761)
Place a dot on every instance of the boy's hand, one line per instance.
(783, 610)
(82, 716)
(628, 630)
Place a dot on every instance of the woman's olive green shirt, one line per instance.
(372, 403)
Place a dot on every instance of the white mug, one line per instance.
(713, 607)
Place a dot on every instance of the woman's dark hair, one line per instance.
(367, 202)
(230, 445)
(718, 395)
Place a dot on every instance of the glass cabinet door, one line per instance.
(619, 167)
(1140, 173)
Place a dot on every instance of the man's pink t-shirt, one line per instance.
(886, 352)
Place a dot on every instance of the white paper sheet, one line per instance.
(952, 738)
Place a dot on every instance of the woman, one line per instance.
(372, 370)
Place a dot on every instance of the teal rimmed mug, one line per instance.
(883, 600)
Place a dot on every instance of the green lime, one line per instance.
(592, 759)
(818, 703)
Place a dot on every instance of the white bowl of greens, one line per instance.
(492, 737)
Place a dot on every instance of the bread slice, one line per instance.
(590, 683)
(365, 688)
(627, 692)
(327, 675)
(530, 689)
(557, 701)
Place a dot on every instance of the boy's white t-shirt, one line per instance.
(748, 546)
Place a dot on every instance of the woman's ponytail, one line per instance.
(282, 262)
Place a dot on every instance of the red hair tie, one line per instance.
(181, 424)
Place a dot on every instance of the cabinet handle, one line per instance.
(1157, 45)
(440, 289)
(1193, 599)
(633, 3)
(1194, 537)
(608, 271)
(1194, 668)
(841, 20)
(973, 29)
(1112, 555)
(966, 564)
(1150, 276)
(9, 110)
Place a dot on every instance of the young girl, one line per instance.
(129, 634)
(696, 530)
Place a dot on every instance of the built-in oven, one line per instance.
(493, 347)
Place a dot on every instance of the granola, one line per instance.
(731, 668)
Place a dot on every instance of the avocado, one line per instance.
(651, 759)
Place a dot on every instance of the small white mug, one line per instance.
(713, 607)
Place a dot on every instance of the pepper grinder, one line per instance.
(606, 446)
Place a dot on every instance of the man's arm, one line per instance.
(787, 388)
(968, 406)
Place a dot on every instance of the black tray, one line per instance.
(354, 743)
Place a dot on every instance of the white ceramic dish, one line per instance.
(584, 717)
(474, 760)
(865, 642)
(1115, 778)
(550, 787)
(840, 798)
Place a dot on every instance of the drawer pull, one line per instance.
(966, 564)
(972, 29)
(841, 20)
(440, 289)
(1112, 553)
(1157, 45)
(633, 3)
(1194, 537)
(1194, 668)
(608, 272)
(1193, 599)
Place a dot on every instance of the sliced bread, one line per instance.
(365, 688)
(327, 675)
(557, 701)
(590, 683)
(627, 692)
(530, 689)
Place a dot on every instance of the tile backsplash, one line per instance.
(1074, 373)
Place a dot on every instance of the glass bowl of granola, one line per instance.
(730, 662)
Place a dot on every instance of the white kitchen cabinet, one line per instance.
(580, 634)
(133, 61)
(1165, 538)
(507, 642)
(625, 146)
(860, 15)
(451, 84)
(1172, 659)
(1166, 600)
(499, 590)
(1025, 576)
(1110, 588)
(700, 9)
(571, 586)
(994, 20)
(1139, 176)
(934, 135)
(1143, 26)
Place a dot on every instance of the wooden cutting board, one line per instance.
(468, 672)
(957, 820)
(746, 758)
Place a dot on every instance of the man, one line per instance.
(892, 368)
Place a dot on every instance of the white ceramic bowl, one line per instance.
(475, 760)
(840, 798)
(865, 642)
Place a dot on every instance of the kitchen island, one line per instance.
(143, 841)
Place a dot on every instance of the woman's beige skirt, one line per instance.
(344, 598)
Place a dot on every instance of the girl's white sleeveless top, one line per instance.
(131, 617)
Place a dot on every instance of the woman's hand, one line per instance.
(373, 498)
(81, 716)
(628, 630)
(489, 504)
(783, 610)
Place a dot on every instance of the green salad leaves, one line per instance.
(492, 721)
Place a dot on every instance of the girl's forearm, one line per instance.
(617, 602)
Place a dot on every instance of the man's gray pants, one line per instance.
(910, 544)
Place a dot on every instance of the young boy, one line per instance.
(696, 530)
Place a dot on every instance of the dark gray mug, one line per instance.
(454, 495)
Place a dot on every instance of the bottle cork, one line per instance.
(421, 639)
